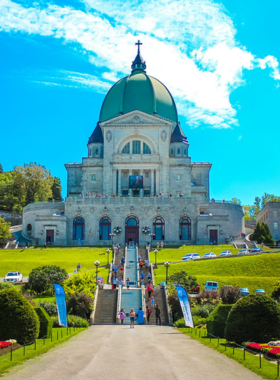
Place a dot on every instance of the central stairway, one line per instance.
(106, 306)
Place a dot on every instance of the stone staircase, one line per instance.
(131, 299)
(159, 296)
(106, 307)
(143, 253)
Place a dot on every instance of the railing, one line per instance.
(92, 315)
(168, 308)
(119, 302)
(137, 268)
(143, 294)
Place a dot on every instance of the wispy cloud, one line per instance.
(189, 45)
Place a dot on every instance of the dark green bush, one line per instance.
(216, 322)
(80, 304)
(73, 321)
(203, 311)
(43, 278)
(18, 319)
(45, 323)
(4, 285)
(50, 307)
(254, 318)
(230, 295)
(199, 321)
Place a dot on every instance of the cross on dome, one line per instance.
(138, 63)
(138, 43)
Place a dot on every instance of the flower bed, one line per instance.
(271, 348)
(5, 344)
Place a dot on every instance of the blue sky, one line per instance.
(218, 59)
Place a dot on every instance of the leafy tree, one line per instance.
(236, 201)
(43, 278)
(4, 231)
(80, 304)
(1, 168)
(275, 294)
(56, 189)
(230, 295)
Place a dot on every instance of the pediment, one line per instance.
(136, 118)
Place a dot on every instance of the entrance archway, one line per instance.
(132, 230)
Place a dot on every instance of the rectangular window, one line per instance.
(275, 237)
(274, 214)
(147, 174)
(185, 152)
(126, 149)
(124, 174)
(178, 177)
(146, 193)
(125, 193)
(93, 177)
(136, 145)
(178, 151)
(275, 225)
(90, 152)
(96, 151)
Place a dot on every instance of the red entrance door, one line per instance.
(132, 230)
(50, 236)
(213, 236)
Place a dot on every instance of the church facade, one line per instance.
(138, 182)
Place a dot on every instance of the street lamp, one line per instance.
(152, 235)
(96, 263)
(108, 251)
(112, 234)
(146, 230)
(167, 265)
(156, 251)
(117, 230)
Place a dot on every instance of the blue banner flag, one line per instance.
(185, 306)
(61, 305)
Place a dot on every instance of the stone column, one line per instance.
(119, 182)
(141, 190)
(114, 181)
(158, 189)
(130, 190)
(152, 181)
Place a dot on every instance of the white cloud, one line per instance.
(189, 45)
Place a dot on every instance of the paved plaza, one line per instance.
(120, 353)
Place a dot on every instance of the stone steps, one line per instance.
(106, 307)
(159, 296)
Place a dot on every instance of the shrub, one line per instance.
(45, 323)
(275, 294)
(254, 318)
(18, 319)
(216, 322)
(208, 297)
(199, 321)
(73, 321)
(80, 283)
(4, 285)
(43, 278)
(174, 304)
(179, 323)
(203, 311)
(230, 295)
(29, 298)
(50, 307)
(80, 304)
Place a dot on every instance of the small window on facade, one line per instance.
(90, 152)
(126, 149)
(136, 147)
(275, 237)
(185, 152)
(96, 151)
(275, 225)
(146, 174)
(172, 151)
(146, 149)
(29, 227)
(93, 177)
(178, 151)
(274, 214)
(135, 173)
(124, 174)
(178, 177)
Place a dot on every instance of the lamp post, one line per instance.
(151, 235)
(108, 251)
(167, 265)
(156, 251)
(112, 234)
(96, 263)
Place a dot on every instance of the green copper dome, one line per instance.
(138, 91)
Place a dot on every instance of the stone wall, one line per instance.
(12, 217)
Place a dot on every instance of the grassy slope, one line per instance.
(24, 260)
(253, 272)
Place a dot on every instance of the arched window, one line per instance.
(126, 149)
(78, 229)
(185, 228)
(158, 228)
(136, 147)
(29, 227)
(132, 221)
(104, 229)
(146, 149)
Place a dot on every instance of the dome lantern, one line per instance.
(138, 63)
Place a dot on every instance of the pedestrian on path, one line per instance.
(158, 318)
(140, 316)
(141, 264)
(149, 275)
(127, 283)
(115, 281)
(148, 313)
(150, 290)
(122, 316)
(139, 258)
(79, 267)
(152, 301)
(123, 260)
(120, 283)
(132, 318)
(142, 275)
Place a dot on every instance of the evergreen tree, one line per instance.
(56, 189)
(262, 234)
(1, 168)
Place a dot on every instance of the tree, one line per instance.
(275, 294)
(43, 278)
(1, 168)
(4, 231)
(80, 304)
(56, 189)
(236, 201)
(262, 234)
(230, 295)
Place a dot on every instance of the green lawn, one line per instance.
(25, 260)
(254, 272)
(42, 346)
(268, 369)
(43, 299)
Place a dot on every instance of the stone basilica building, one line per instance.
(137, 182)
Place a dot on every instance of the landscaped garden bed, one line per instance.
(6, 347)
(271, 348)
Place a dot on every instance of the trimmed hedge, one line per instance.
(18, 319)
(73, 321)
(254, 318)
(45, 322)
(216, 322)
